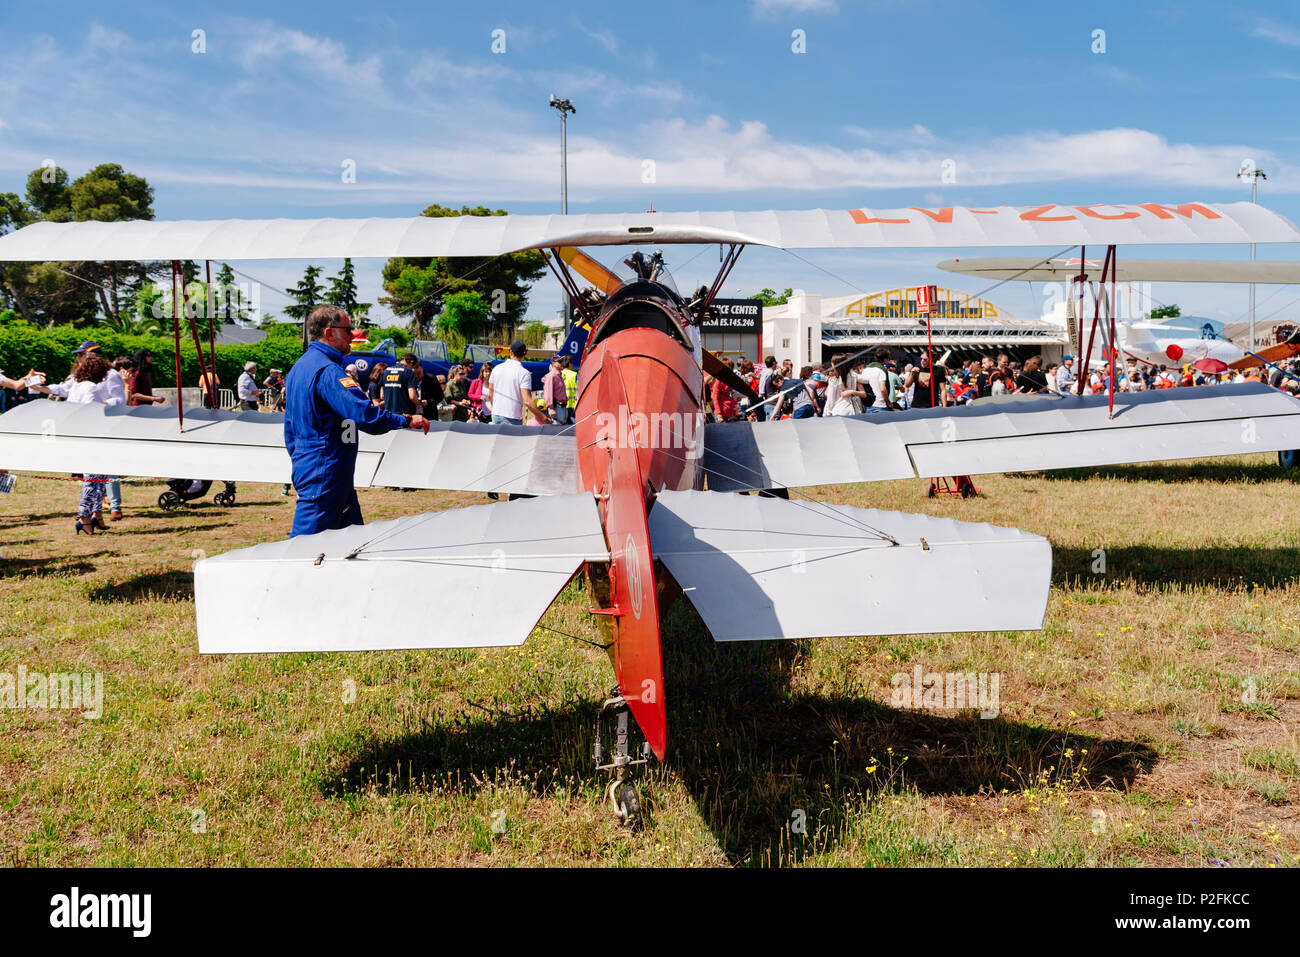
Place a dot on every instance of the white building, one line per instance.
(808, 327)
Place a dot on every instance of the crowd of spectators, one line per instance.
(874, 381)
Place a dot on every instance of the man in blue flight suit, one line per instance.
(324, 408)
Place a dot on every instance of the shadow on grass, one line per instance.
(18, 521)
(1149, 565)
(128, 530)
(1174, 473)
(748, 750)
(167, 586)
(69, 566)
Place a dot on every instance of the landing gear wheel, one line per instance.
(627, 804)
(967, 490)
(169, 501)
(1289, 459)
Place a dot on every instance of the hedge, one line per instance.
(24, 347)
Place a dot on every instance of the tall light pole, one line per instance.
(1254, 174)
(565, 107)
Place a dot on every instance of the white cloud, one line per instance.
(772, 8)
(1277, 32)
(265, 45)
(101, 37)
(604, 37)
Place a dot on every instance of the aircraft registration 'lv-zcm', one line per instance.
(646, 517)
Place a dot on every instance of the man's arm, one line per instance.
(350, 403)
(526, 398)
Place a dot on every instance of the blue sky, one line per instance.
(713, 95)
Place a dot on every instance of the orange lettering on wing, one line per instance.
(1035, 215)
(942, 216)
(986, 212)
(862, 218)
(1182, 209)
(1090, 211)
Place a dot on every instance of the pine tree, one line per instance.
(307, 295)
(343, 293)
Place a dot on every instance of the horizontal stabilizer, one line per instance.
(1012, 434)
(46, 436)
(758, 568)
(462, 578)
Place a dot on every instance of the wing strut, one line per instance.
(176, 330)
(1108, 269)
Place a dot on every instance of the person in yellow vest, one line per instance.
(570, 388)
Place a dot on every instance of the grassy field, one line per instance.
(1153, 720)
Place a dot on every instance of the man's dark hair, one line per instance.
(321, 318)
(141, 357)
(770, 362)
(881, 354)
(411, 359)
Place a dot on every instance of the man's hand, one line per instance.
(418, 422)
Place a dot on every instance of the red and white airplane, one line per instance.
(635, 494)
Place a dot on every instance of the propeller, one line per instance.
(590, 270)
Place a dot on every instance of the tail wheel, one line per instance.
(1289, 459)
(629, 806)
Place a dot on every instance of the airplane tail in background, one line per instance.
(574, 343)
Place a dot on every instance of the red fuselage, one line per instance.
(639, 425)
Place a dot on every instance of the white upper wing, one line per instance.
(945, 227)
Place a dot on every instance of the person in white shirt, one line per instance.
(877, 378)
(19, 384)
(89, 384)
(839, 399)
(510, 388)
(1065, 375)
(247, 387)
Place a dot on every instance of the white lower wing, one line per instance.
(758, 568)
(464, 578)
(47, 436)
(993, 435)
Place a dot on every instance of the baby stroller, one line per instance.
(188, 490)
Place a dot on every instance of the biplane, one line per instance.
(637, 495)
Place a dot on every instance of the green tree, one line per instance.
(14, 214)
(110, 194)
(769, 297)
(463, 316)
(228, 305)
(1166, 312)
(343, 293)
(73, 292)
(417, 288)
(534, 334)
(307, 295)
